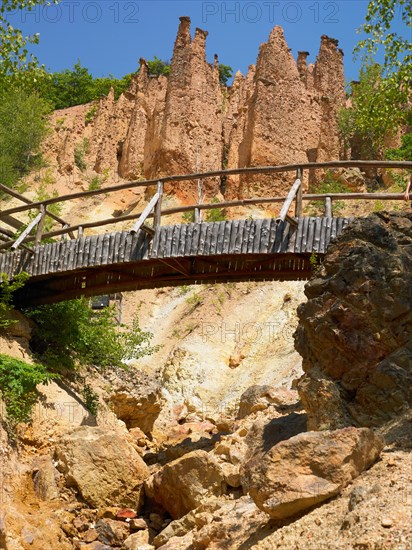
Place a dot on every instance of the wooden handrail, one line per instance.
(24, 199)
(238, 171)
(226, 204)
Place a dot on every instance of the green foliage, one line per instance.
(194, 300)
(381, 103)
(377, 110)
(225, 72)
(18, 381)
(215, 214)
(91, 399)
(314, 262)
(77, 86)
(80, 150)
(23, 125)
(328, 185)
(404, 152)
(158, 67)
(70, 334)
(379, 206)
(89, 117)
(7, 290)
(95, 183)
(378, 35)
(188, 217)
(14, 56)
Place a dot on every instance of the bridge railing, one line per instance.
(154, 208)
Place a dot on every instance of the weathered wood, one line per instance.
(298, 202)
(24, 199)
(237, 171)
(40, 226)
(289, 199)
(145, 213)
(31, 225)
(158, 208)
(328, 207)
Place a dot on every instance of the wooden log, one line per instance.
(39, 230)
(328, 207)
(24, 199)
(158, 208)
(31, 225)
(289, 199)
(145, 213)
(298, 202)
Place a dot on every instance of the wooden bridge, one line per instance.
(280, 248)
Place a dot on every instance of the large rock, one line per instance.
(259, 398)
(103, 466)
(134, 398)
(355, 331)
(308, 468)
(186, 483)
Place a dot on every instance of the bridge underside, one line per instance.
(236, 250)
(160, 273)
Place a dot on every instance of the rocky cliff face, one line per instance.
(355, 331)
(281, 111)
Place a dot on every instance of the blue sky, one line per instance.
(109, 36)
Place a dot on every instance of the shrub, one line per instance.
(215, 214)
(225, 72)
(90, 115)
(91, 399)
(83, 336)
(95, 183)
(6, 296)
(80, 150)
(18, 381)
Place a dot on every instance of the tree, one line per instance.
(225, 72)
(158, 67)
(381, 101)
(23, 126)
(379, 34)
(14, 56)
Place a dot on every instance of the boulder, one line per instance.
(103, 466)
(355, 330)
(259, 398)
(136, 541)
(112, 532)
(45, 477)
(308, 469)
(186, 483)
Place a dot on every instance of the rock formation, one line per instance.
(281, 111)
(355, 331)
(188, 136)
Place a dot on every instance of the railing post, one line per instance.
(328, 207)
(64, 236)
(80, 232)
(39, 231)
(298, 203)
(158, 208)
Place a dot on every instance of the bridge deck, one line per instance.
(177, 254)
